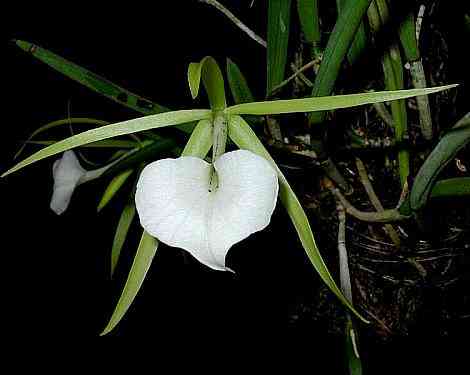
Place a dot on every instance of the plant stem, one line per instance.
(392, 233)
(236, 21)
(344, 275)
(386, 216)
(378, 14)
(219, 141)
(309, 65)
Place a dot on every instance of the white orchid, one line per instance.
(177, 204)
(68, 174)
(205, 208)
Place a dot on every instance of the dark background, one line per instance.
(57, 268)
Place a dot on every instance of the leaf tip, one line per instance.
(194, 79)
(25, 46)
(105, 332)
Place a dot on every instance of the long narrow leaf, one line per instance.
(200, 141)
(408, 39)
(150, 151)
(108, 143)
(113, 187)
(378, 14)
(278, 37)
(114, 130)
(208, 70)
(310, 21)
(452, 187)
(91, 80)
(143, 258)
(237, 82)
(338, 45)
(359, 42)
(243, 136)
(125, 221)
(53, 124)
(327, 102)
(198, 145)
(97, 83)
(427, 175)
(352, 350)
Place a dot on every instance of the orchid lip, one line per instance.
(177, 206)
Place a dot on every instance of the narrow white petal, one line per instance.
(175, 205)
(67, 172)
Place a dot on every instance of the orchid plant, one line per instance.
(204, 207)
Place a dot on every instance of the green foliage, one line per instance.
(143, 259)
(124, 224)
(446, 149)
(241, 92)
(338, 45)
(407, 32)
(359, 42)
(198, 145)
(392, 63)
(114, 186)
(310, 22)
(451, 188)
(352, 350)
(213, 81)
(91, 80)
(62, 122)
(278, 38)
(121, 128)
(244, 137)
(327, 103)
(97, 83)
(347, 39)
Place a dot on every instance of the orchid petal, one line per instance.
(175, 205)
(67, 173)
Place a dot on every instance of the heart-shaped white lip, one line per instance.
(175, 205)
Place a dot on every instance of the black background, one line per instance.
(56, 268)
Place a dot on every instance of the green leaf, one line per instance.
(359, 42)
(309, 20)
(97, 83)
(143, 258)
(150, 151)
(114, 130)
(108, 143)
(200, 141)
(91, 80)
(53, 124)
(327, 102)
(338, 45)
(113, 187)
(212, 79)
(278, 37)
(352, 350)
(446, 149)
(243, 136)
(125, 221)
(379, 17)
(408, 38)
(239, 87)
(451, 187)
(198, 145)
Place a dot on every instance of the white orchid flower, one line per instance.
(177, 203)
(68, 174)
